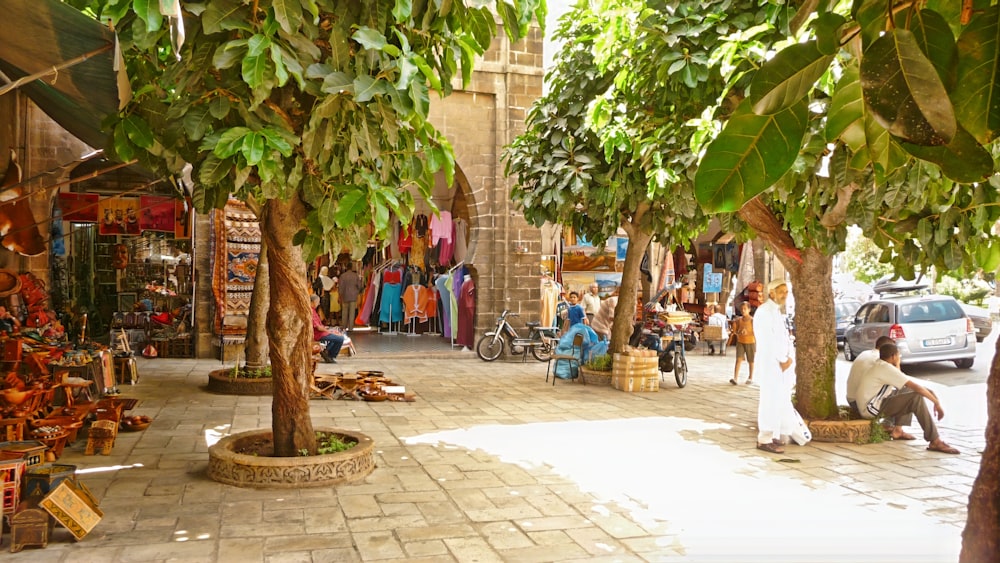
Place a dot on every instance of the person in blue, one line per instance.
(576, 314)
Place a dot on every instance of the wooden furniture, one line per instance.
(29, 526)
(12, 429)
(101, 436)
(11, 468)
(125, 371)
(713, 334)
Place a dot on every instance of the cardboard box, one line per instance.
(72, 505)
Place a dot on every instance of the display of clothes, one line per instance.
(467, 313)
(550, 298)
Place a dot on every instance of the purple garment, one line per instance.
(467, 315)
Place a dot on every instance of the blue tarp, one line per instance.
(563, 369)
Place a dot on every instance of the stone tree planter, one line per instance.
(221, 381)
(227, 465)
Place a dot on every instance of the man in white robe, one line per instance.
(776, 417)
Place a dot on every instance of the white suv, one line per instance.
(926, 328)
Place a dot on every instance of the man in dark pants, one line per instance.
(885, 391)
(331, 338)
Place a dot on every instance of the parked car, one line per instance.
(980, 319)
(927, 328)
(844, 309)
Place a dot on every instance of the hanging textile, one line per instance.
(461, 239)
(550, 298)
(745, 274)
(236, 243)
(391, 308)
(457, 279)
(467, 313)
(442, 283)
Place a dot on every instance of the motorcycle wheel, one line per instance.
(542, 352)
(490, 347)
(680, 370)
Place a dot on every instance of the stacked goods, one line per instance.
(677, 317)
(636, 371)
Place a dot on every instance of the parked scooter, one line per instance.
(541, 341)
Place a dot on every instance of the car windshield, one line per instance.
(845, 309)
(930, 311)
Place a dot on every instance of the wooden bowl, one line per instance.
(130, 426)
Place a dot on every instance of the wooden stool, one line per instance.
(102, 435)
(125, 371)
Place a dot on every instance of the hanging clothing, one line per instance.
(443, 283)
(369, 305)
(457, 278)
(461, 239)
(405, 239)
(418, 251)
(420, 225)
(447, 246)
(467, 314)
(391, 309)
(680, 262)
(394, 240)
(415, 301)
(550, 298)
(441, 227)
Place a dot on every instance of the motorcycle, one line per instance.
(541, 341)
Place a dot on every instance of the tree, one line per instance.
(898, 100)
(637, 174)
(314, 110)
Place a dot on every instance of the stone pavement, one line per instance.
(493, 464)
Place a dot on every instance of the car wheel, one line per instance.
(964, 363)
(848, 353)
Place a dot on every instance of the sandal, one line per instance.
(903, 436)
(749, 382)
(942, 447)
(771, 448)
(733, 381)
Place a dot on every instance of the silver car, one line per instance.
(926, 328)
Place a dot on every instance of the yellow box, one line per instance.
(73, 506)
(635, 384)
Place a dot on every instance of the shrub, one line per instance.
(601, 362)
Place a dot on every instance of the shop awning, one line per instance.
(42, 35)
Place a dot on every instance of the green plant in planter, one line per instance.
(328, 444)
(244, 373)
(601, 362)
(878, 433)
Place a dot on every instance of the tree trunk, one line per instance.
(621, 329)
(816, 340)
(289, 329)
(815, 336)
(981, 538)
(759, 260)
(256, 345)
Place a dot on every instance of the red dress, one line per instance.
(467, 314)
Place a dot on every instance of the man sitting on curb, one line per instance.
(885, 391)
(862, 363)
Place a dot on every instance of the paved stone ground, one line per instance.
(494, 464)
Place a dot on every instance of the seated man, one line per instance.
(330, 337)
(885, 391)
(862, 363)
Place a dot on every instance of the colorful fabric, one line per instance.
(158, 213)
(236, 252)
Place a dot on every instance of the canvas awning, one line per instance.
(76, 53)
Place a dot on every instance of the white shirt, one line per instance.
(718, 319)
(591, 303)
(873, 381)
(862, 363)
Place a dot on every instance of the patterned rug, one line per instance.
(236, 243)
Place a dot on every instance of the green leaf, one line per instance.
(255, 70)
(402, 10)
(751, 154)
(427, 71)
(787, 78)
(904, 91)
(123, 148)
(196, 121)
(977, 99)
(149, 12)
(963, 160)
(827, 26)
(337, 82)
(278, 142)
(219, 107)
(213, 170)
(224, 15)
(253, 148)
(229, 53)
(288, 14)
(847, 106)
(230, 142)
(936, 41)
(138, 131)
(352, 208)
(367, 87)
(369, 38)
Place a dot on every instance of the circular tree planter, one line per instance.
(221, 381)
(227, 466)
